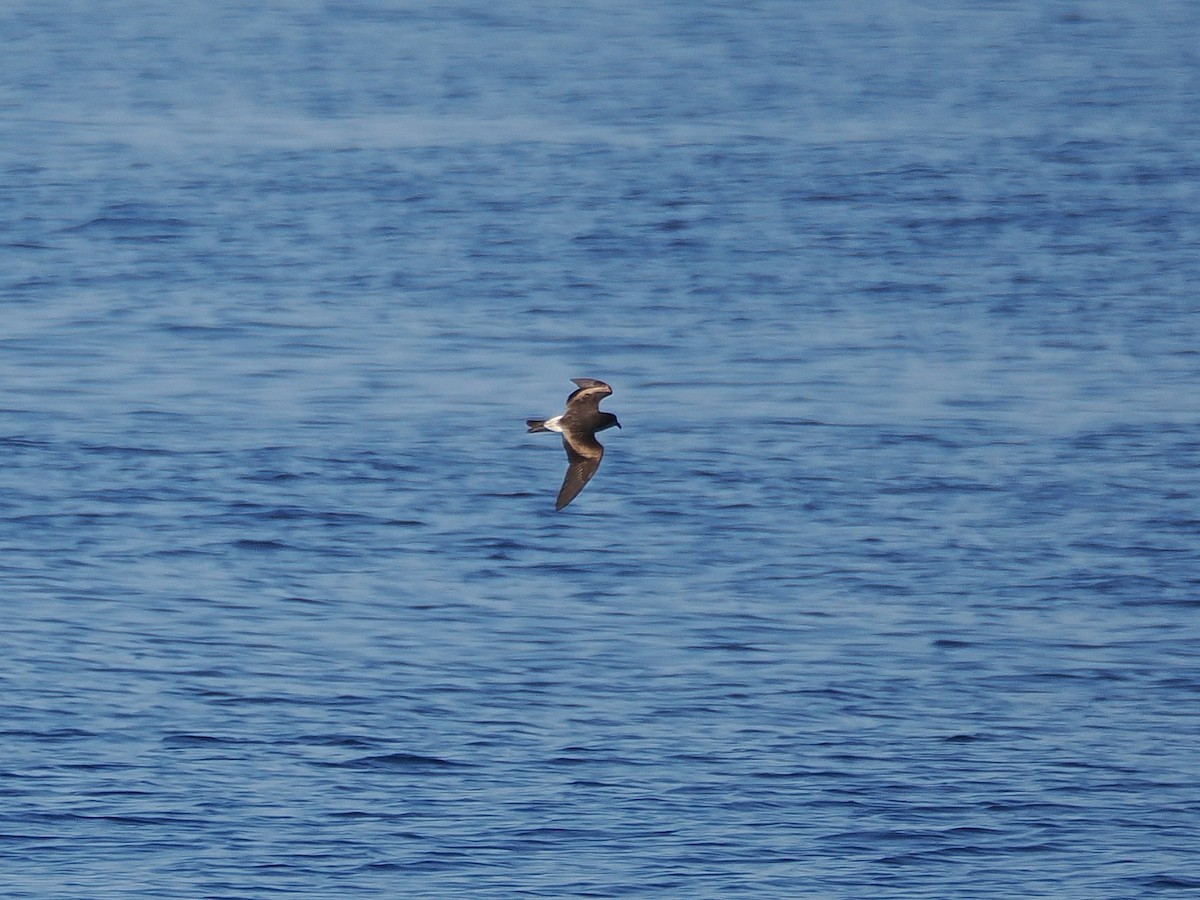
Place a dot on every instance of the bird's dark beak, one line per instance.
(619, 426)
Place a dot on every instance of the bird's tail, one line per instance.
(536, 425)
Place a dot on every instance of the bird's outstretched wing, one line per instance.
(584, 453)
(590, 393)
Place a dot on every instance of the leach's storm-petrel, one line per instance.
(578, 426)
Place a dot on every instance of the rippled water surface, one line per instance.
(889, 586)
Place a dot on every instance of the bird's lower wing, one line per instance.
(584, 460)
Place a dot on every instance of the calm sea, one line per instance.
(889, 587)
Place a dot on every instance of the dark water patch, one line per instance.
(404, 762)
(262, 545)
(886, 438)
(55, 734)
(133, 228)
(352, 742)
(121, 451)
(1165, 882)
(941, 486)
(186, 741)
(20, 443)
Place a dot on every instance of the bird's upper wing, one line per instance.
(584, 453)
(590, 392)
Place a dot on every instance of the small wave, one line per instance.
(253, 544)
(408, 762)
(181, 740)
(1171, 882)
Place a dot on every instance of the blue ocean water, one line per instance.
(889, 587)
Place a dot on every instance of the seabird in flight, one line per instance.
(578, 426)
